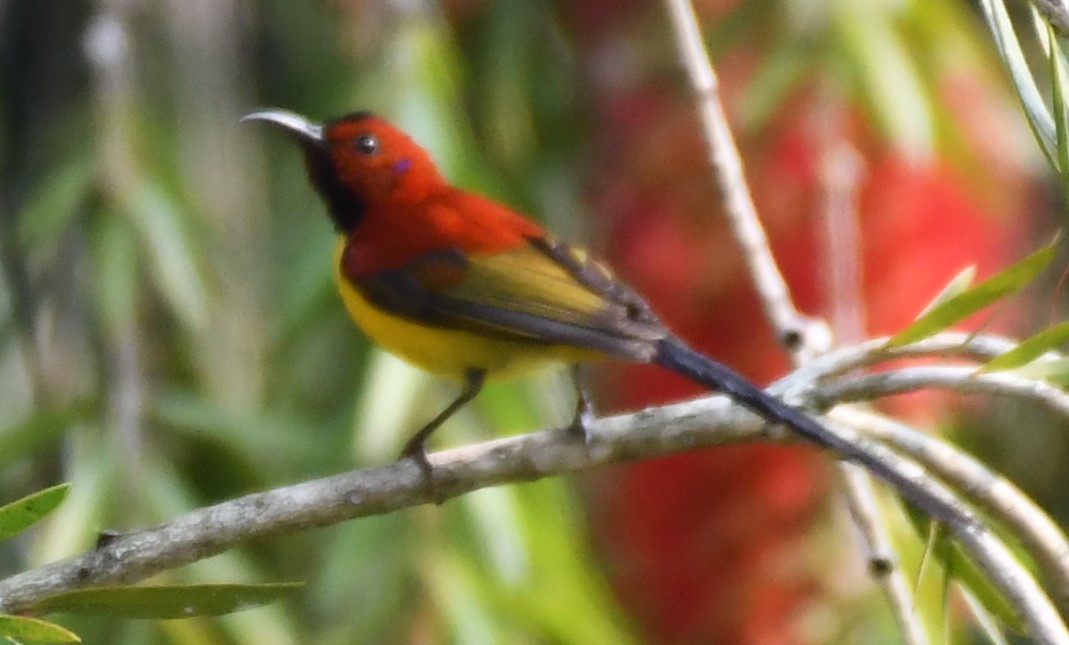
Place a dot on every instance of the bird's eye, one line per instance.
(367, 143)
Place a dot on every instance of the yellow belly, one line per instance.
(448, 352)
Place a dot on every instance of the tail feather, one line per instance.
(677, 356)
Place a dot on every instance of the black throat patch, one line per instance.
(346, 211)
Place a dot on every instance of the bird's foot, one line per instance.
(417, 452)
(584, 417)
(106, 536)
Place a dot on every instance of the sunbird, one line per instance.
(469, 289)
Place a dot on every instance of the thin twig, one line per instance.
(950, 345)
(107, 48)
(841, 169)
(882, 559)
(792, 327)
(798, 334)
(957, 346)
(960, 379)
(993, 494)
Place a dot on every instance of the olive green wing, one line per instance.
(540, 292)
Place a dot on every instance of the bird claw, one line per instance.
(582, 419)
(106, 537)
(584, 411)
(417, 452)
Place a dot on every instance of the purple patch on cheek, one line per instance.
(401, 165)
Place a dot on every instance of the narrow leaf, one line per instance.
(1039, 118)
(944, 592)
(16, 516)
(776, 77)
(935, 533)
(116, 279)
(39, 430)
(887, 74)
(22, 628)
(1057, 82)
(163, 602)
(1055, 370)
(1029, 349)
(974, 299)
(171, 252)
(52, 207)
(963, 570)
(1059, 87)
(957, 286)
(987, 622)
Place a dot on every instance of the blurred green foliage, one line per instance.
(169, 336)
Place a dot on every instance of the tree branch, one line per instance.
(804, 338)
(961, 379)
(211, 530)
(990, 492)
(1056, 12)
(794, 330)
(653, 432)
(882, 557)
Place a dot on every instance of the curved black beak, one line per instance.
(305, 131)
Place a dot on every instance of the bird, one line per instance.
(470, 289)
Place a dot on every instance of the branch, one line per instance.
(882, 558)
(951, 345)
(961, 379)
(801, 339)
(653, 432)
(793, 329)
(211, 530)
(1056, 12)
(993, 494)
(841, 168)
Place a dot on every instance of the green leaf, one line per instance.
(957, 286)
(55, 204)
(968, 574)
(1030, 349)
(22, 628)
(778, 75)
(974, 299)
(963, 570)
(1039, 118)
(935, 533)
(987, 622)
(36, 432)
(16, 516)
(170, 251)
(116, 278)
(1059, 83)
(894, 90)
(163, 602)
(1055, 370)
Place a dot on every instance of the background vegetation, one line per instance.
(169, 336)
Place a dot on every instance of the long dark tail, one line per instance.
(675, 355)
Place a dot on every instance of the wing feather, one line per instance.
(542, 292)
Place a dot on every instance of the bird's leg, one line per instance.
(584, 409)
(416, 448)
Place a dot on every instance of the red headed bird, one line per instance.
(469, 289)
